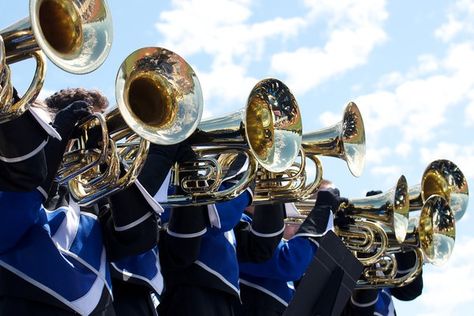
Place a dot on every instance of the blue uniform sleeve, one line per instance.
(19, 211)
(289, 261)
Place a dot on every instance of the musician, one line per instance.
(130, 222)
(209, 285)
(379, 301)
(267, 288)
(51, 262)
(138, 277)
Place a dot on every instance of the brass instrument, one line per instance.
(270, 126)
(431, 235)
(268, 131)
(389, 209)
(76, 35)
(345, 140)
(384, 272)
(444, 178)
(159, 100)
(290, 185)
(201, 180)
(376, 219)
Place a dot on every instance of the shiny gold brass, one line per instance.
(290, 185)
(200, 181)
(267, 132)
(431, 235)
(270, 126)
(444, 178)
(76, 35)
(9, 109)
(389, 209)
(159, 100)
(345, 140)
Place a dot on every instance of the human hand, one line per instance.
(329, 198)
(66, 119)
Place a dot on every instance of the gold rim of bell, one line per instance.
(273, 125)
(75, 35)
(159, 95)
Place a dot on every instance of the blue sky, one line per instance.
(408, 65)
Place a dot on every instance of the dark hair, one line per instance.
(64, 97)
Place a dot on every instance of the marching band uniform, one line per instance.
(140, 275)
(267, 287)
(54, 262)
(136, 267)
(209, 285)
(130, 230)
(51, 262)
(22, 157)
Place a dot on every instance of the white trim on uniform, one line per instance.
(217, 274)
(181, 235)
(27, 156)
(213, 214)
(264, 290)
(269, 234)
(134, 223)
(364, 304)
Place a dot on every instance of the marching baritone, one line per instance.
(365, 302)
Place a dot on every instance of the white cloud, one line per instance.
(391, 79)
(403, 149)
(233, 40)
(207, 114)
(354, 29)
(469, 113)
(376, 155)
(449, 29)
(460, 19)
(418, 106)
(389, 172)
(228, 36)
(220, 84)
(448, 287)
(226, 33)
(328, 119)
(461, 155)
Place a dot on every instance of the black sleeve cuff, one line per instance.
(22, 138)
(268, 220)
(364, 298)
(127, 234)
(317, 223)
(156, 168)
(22, 158)
(129, 208)
(410, 291)
(252, 247)
(187, 222)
